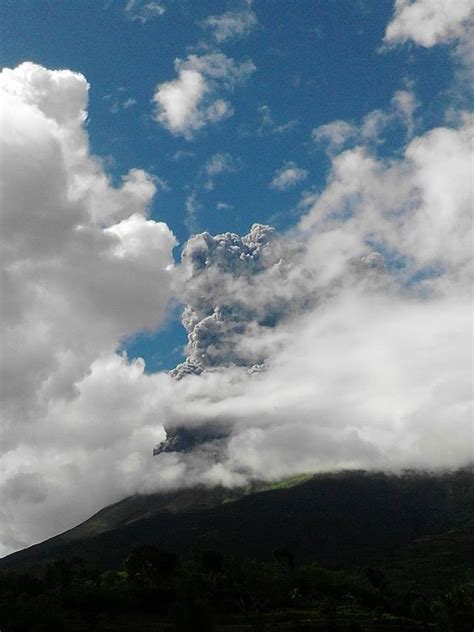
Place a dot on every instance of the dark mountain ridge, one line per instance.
(338, 519)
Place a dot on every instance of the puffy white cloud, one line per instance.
(231, 24)
(178, 103)
(186, 104)
(60, 95)
(288, 176)
(88, 451)
(430, 22)
(82, 267)
(418, 207)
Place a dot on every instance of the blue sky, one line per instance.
(315, 62)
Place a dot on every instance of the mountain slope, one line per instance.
(337, 519)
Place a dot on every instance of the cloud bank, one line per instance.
(342, 344)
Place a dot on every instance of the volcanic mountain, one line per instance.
(341, 519)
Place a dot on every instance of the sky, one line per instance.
(247, 219)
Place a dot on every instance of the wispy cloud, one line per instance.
(192, 207)
(181, 154)
(224, 206)
(232, 24)
(269, 126)
(129, 103)
(143, 10)
(218, 164)
(118, 100)
(339, 134)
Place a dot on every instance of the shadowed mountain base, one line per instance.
(336, 519)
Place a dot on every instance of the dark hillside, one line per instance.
(141, 507)
(336, 519)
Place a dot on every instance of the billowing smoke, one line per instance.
(241, 296)
(225, 290)
(238, 287)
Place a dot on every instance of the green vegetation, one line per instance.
(344, 519)
(208, 591)
(340, 552)
(288, 482)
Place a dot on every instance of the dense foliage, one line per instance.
(340, 552)
(153, 589)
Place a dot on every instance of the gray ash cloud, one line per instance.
(186, 439)
(238, 292)
(233, 284)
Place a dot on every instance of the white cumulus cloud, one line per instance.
(82, 267)
(430, 22)
(186, 104)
